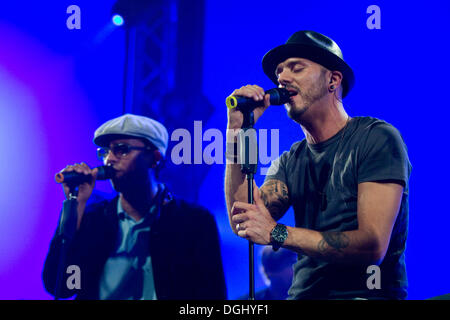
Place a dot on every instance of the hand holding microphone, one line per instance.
(277, 96)
(82, 174)
(84, 177)
(253, 98)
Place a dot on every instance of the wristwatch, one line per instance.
(277, 236)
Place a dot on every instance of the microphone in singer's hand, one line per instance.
(278, 96)
(75, 178)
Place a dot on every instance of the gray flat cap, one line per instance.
(134, 126)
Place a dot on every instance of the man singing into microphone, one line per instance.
(347, 181)
(144, 244)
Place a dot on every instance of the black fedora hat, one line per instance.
(312, 46)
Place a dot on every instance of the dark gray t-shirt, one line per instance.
(322, 180)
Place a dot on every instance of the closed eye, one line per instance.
(295, 67)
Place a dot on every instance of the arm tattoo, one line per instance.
(334, 239)
(275, 195)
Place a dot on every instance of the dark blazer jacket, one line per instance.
(184, 246)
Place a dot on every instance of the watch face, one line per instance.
(279, 233)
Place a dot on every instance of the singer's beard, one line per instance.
(130, 182)
(308, 98)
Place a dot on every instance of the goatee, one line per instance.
(308, 98)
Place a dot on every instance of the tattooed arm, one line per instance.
(378, 205)
(274, 193)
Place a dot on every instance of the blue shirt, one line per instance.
(128, 273)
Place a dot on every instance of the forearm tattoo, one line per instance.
(333, 239)
(275, 195)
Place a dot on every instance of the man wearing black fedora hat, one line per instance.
(347, 181)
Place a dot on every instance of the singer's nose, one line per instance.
(110, 158)
(284, 77)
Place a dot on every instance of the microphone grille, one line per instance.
(279, 96)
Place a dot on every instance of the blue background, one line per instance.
(58, 85)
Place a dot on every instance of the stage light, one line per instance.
(132, 12)
(117, 20)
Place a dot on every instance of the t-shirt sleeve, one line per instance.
(277, 169)
(384, 156)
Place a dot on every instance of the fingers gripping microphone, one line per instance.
(278, 96)
(75, 178)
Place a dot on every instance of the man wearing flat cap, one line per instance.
(347, 181)
(144, 244)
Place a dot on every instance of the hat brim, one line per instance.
(105, 139)
(316, 54)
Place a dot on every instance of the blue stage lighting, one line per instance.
(117, 20)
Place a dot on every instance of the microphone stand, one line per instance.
(249, 169)
(66, 231)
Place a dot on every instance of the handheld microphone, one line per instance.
(75, 178)
(278, 96)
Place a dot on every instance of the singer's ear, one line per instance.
(156, 158)
(336, 78)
